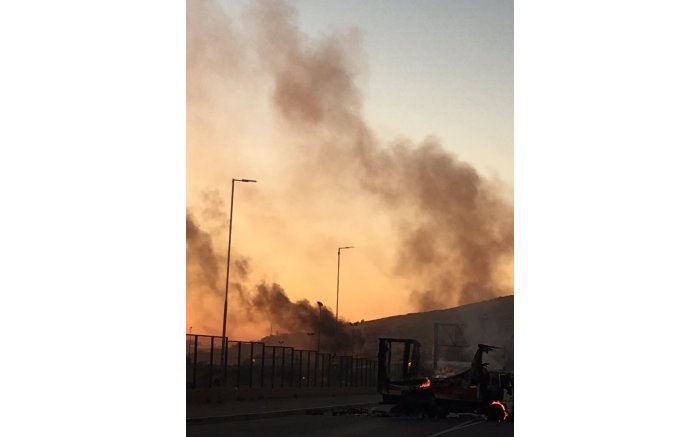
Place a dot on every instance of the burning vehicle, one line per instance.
(401, 381)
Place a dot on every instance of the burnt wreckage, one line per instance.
(401, 381)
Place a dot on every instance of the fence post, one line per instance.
(211, 360)
(300, 361)
(323, 367)
(339, 373)
(363, 372)
(251, 364)
(353, 372)
(262, 368)
(282, 380)
(375, 371)
(346, 383)
(351, 381)
(224, 347)
(358, 372)
(274, 352)
(238, 366)
(291, 365)
(194, 367)
(367, 373)
(363, 375)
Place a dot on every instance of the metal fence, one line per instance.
(255, 365)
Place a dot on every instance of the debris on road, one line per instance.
(351, 412)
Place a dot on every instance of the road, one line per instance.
(351, 426)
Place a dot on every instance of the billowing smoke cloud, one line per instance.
(270, 300)
(460, 230)
(453, 229)
(263, 302)
(202, 261)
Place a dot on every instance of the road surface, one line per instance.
(351, 426)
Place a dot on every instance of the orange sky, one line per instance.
(268, 102)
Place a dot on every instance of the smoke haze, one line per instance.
(265, 100)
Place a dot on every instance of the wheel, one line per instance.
(496, 412)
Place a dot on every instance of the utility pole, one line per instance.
(337, 284)
(228, 259)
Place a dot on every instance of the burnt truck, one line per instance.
(402, 381)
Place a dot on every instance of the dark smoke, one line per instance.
(455, 230)
(271, 301)
(460, 229)
(264, 303)
(206, 269)
(241, 268)
(202, 261)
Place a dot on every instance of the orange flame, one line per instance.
(503, 407)
(426, 384)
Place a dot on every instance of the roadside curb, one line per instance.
(268, 414)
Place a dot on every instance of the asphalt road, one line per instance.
(351, 426)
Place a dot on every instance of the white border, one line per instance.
(92, 189)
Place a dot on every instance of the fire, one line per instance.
(503, 407)
(426, 384)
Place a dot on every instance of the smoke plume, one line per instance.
(263, 302)
(270, 300)
(202, 262)
(459, 229)
(451, 229)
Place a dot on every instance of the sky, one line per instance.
(440, 68)
(387, 126)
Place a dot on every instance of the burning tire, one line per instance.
(496, 411)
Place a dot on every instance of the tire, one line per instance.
(495, 413)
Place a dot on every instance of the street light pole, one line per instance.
(337, 285)
(228, 259)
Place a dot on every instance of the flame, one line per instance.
(503, 407)
(410, 364)
(426, 384)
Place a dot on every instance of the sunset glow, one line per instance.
(266, 100)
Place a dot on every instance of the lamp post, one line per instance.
(318, 340)
(228, 259)
(337, 285)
